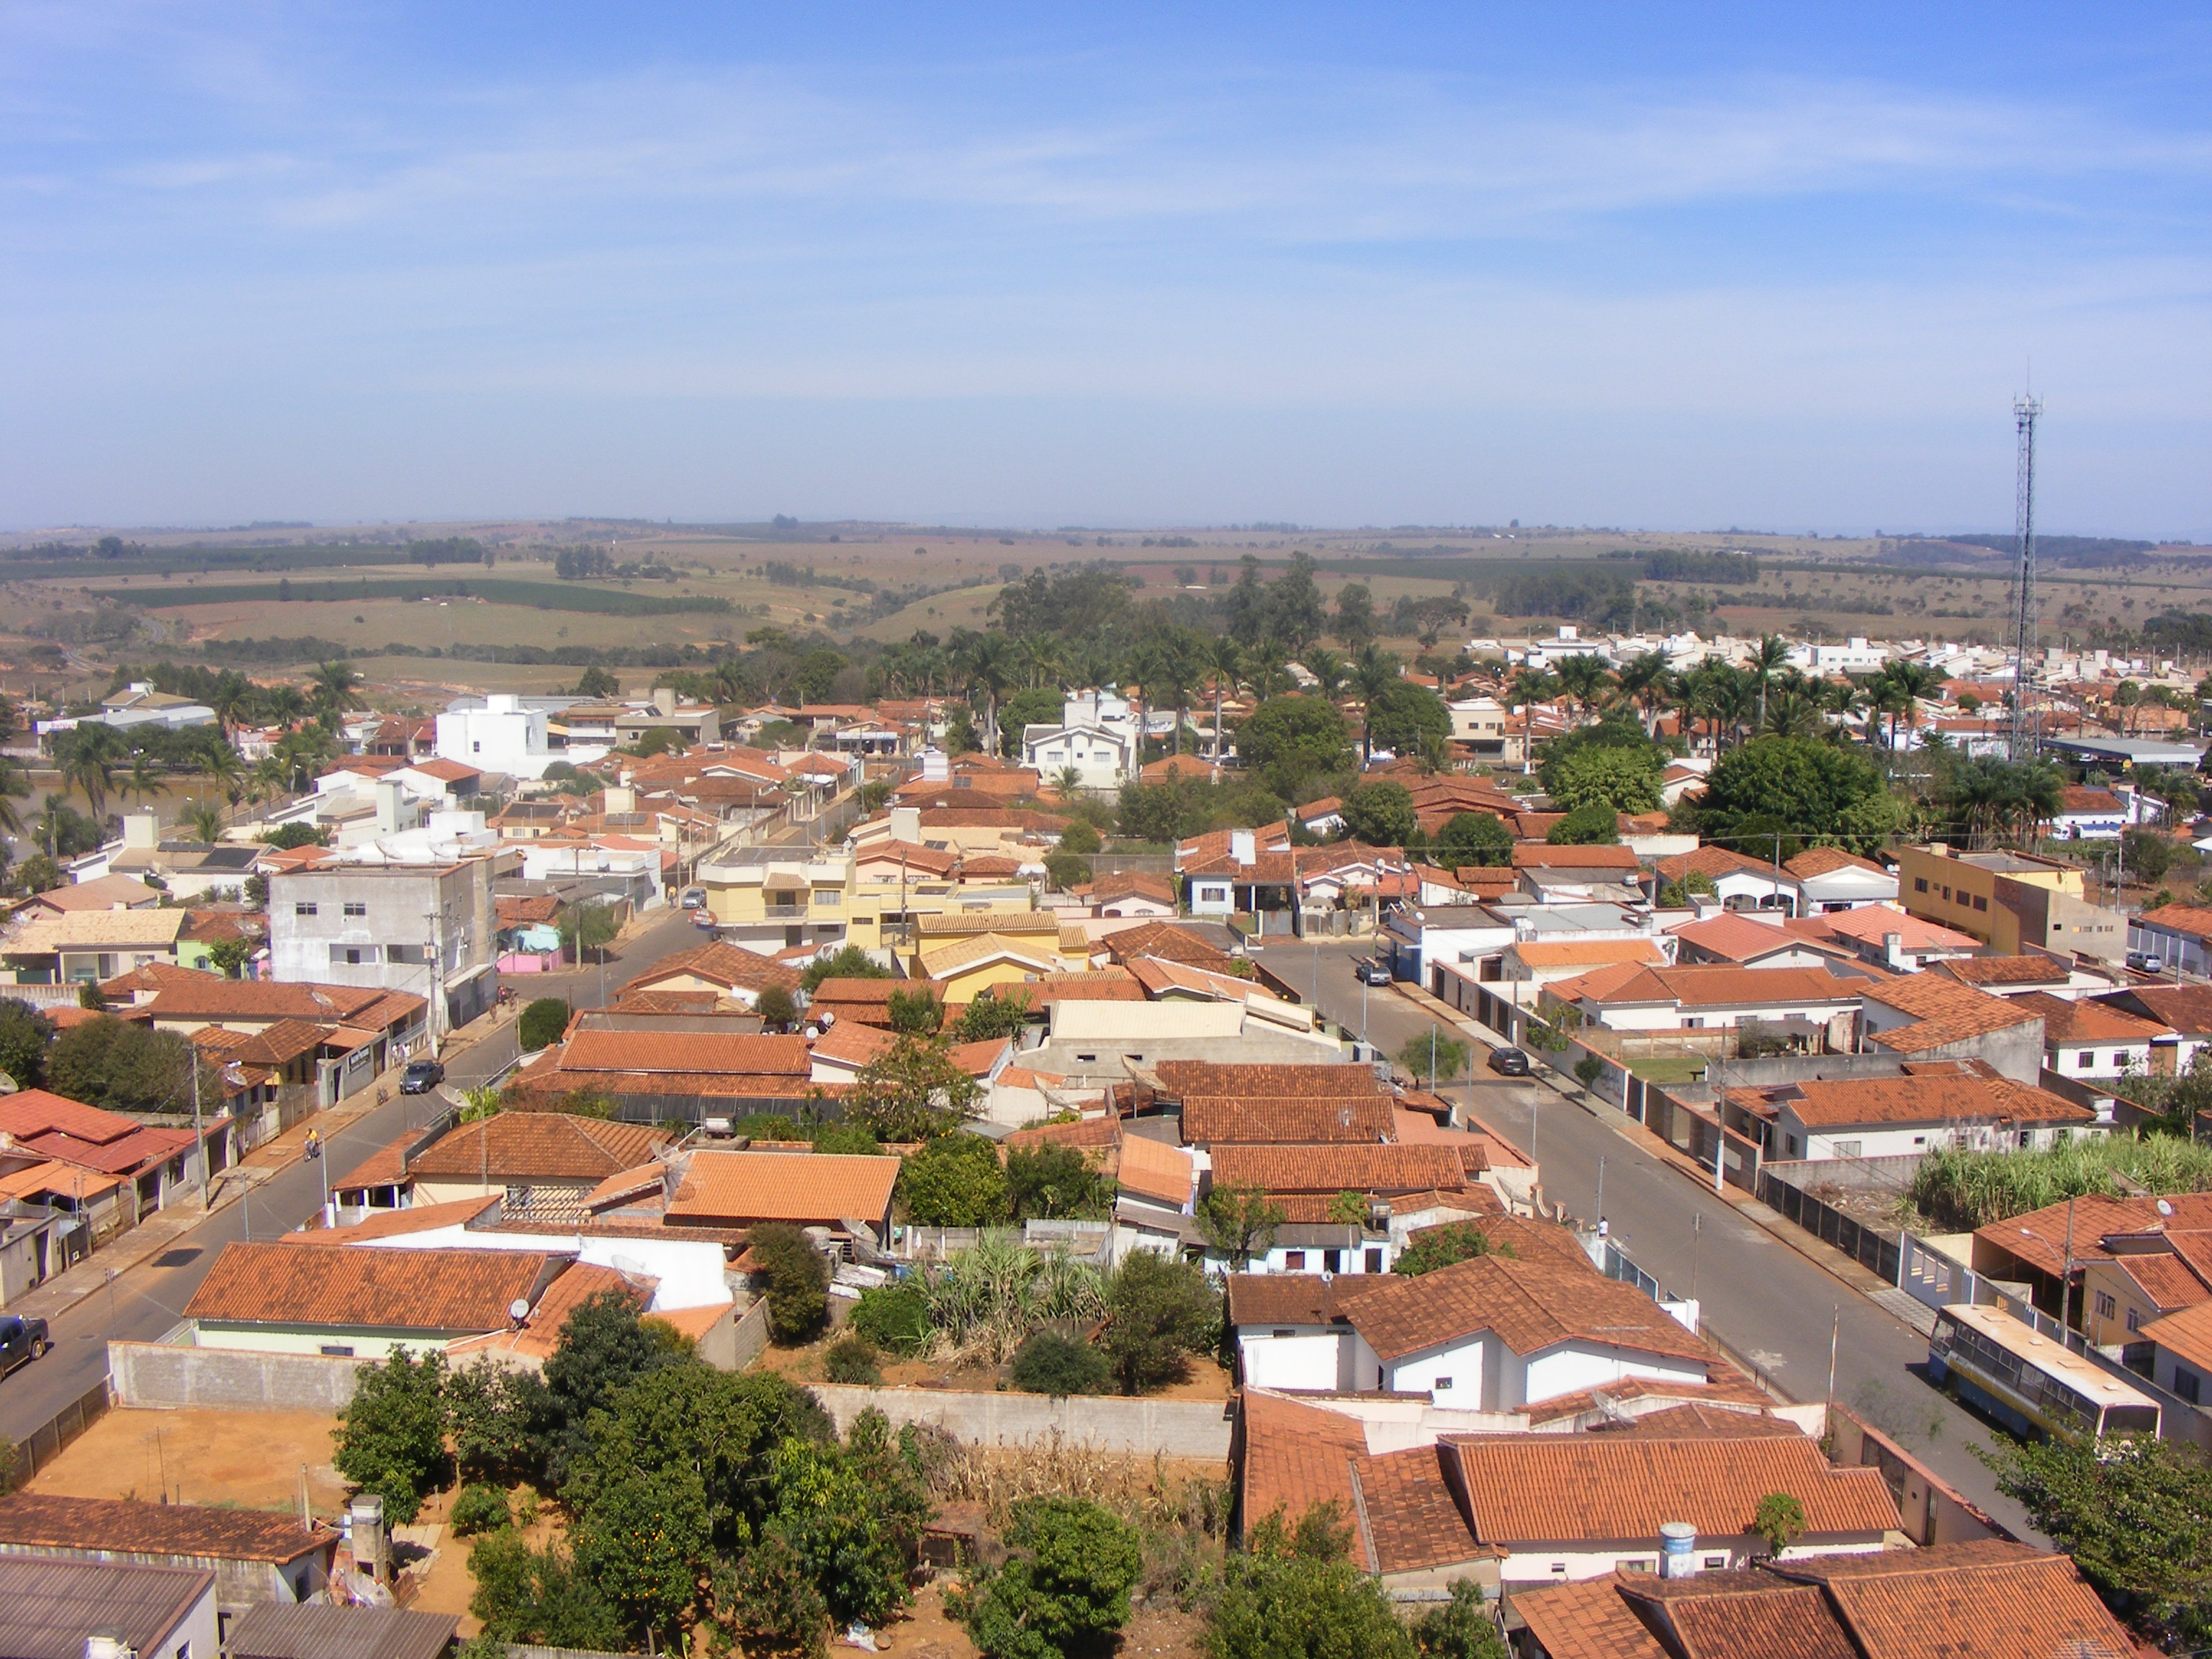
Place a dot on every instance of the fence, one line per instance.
(1178, 1428)
(750, 1334)
(44, 1443)
(168, 1375)
(1874, 1249)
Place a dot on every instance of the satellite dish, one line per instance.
(2164, 1208)
(518, 1310)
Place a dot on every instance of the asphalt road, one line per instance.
(1756, 1294)
(140, 1304)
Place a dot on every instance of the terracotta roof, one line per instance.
(1724, 986)
(1715, 861)
(1153, 1170)
(1586, 1619)
(76, 930)
(2192, 920)
(1256, 1299)
(1944, 1011)
(1104, 985)
(2188, 1334)
(2168, 1280)
(1180, 1078)
(526, 910)
(1566, 1488)
(1406, 1518)
(1542, 855)
(47, 1520)
(538, 1146)
(946, 960)
(1734, 937)
(727, 965)
(976, 1059)
(1394, 1168)
(2086, 1022)
(1298, 1455)
(1825, 860)
(1214, 1119)
(689, 1052)
(2005, 970)
(2039, 1237)
(1088, 1135)
(396, 1223)
(1530, 1305)
(541, 1333)
(738, 1188)
(1166, 941)
(853, 1042)
(916, 859)
(446, 771)
(210, 996)
(381, 1167)
(1129, 884)
(1590, 953)
(103, 893)
(1843, 1102)
(1871, 924)
(392, 1289)
(1990, 1599)
(29, 1112)
(2184, 1008)
(1022, 923)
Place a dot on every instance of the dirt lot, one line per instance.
(1207, 1381)
(247, 1458)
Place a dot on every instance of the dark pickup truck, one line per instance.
(21, 1340)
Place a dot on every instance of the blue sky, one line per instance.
(1664, 267)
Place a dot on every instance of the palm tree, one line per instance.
(1271, 669)
(268, 779)
(88, 767)
(1772, 653)
(220, 763)
(1373, 671)
(285, 704)
(145, 775)
(1039, 657)
(1792, 713)
(335, 688)
(1226, 659)
(1584, 676)
(1531, 685)
(1177, 662)
(1646, 681)
(14, 786)
(205, 818)
(988, 661)
(1329, 668)
(1068, 782)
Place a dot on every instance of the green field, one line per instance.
(539, 596)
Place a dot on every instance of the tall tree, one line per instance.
(1766, 660)
(335, 688)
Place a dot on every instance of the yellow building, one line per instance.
(969, 952)
(772, 898)
(2009, 900)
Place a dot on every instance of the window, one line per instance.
(2120, 1061)
(406, 953)
(1560, 1568)
(476, 749)
(2084, 1060)
(1442, 1382)
(356, 907)
(337, 1351)
(1715, 1562)
(351, 956)
(1846, 1148)
(1375, 1262)
(1980, 902)
(1281, 1332)
(2185, 1384)
(1294, 1262)
(2107, 1307)
(829, 896)
(1920, 883)
(2135, 1319)
(303, 909)
(1332, 1262)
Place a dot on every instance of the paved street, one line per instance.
(145, 1301)
(1757, 1294)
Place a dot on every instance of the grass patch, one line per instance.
(1963, 1190)
(1668, 1068)
(541, 596)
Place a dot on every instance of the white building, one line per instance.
(1904, 1116)
(138, 704)
(1095, 736)
(1825, 661)
(507, 734)
(424, 928)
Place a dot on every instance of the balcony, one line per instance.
(784, 912)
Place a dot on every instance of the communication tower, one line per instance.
(2025, 411)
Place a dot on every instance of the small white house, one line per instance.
(1830, 879)
(1904, 1116)
(1096, 738)
(2089, 1039)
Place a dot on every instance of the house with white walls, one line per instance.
(1931, 1106)
(1095, 738)
(2093, 1039)
(1830, 879)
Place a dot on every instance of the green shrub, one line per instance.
(1066, 1590)
(1058, 1365)
(542, 1023)
(894, 1318)
(853, 1359)
(797, 1281)
(1963, 1190)
(480, 1508)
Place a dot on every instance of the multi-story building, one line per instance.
(2010, 901)
(424, 928)
(775, 898)
(503, 733)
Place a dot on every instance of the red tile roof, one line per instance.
(525, 1146)
(378, 1289)
(2086, 1022)
(727, 965)
(50, 1520)
(687, 1052)
(1560, 1489)
(1182, 1077)
(1843, 1102)
(1530, 1305)
(1542, 855)
(1824, 860)
(740, 1189)
(1217, 1120)
(1396, 1167)
(1724, 986)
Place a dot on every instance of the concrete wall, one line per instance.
(164, 1376)
(399, 903)
(1179, 1428)
(1929, 1511)
(748, 1337)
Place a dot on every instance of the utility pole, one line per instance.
(199, 1134)
(2025, 411)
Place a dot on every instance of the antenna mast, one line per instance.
(2025, 411)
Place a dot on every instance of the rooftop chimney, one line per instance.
(367, 1515)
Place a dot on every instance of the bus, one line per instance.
(2034, 1386)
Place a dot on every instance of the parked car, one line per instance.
(1368, 971)
(703, 918)
(2146, 962)
(21, 1340)
(1509, 1062)
(421, 1077)
(695, 899)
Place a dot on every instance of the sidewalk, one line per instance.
(160, 1231)
(1831, 1260)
